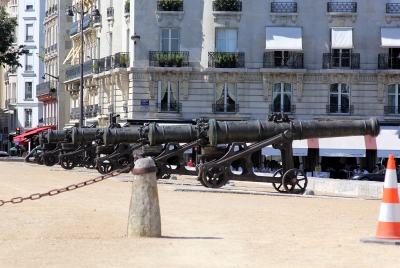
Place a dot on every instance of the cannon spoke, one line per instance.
(292, 183)
(49, 160)
(213, 176)
(67, 162)
(279, 186)
(104, 167)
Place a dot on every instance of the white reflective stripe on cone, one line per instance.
(390, 179)
(389, 212)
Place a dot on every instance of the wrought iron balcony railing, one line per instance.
(388, 61)
(169, 107)
(342, 7)
(287, 109)
(28, 123)
(226, 59)
(283, 7)
(394, 110)
(341, 60)
(96, 110)
(225, 108)
(45, 88)
(231, 6)
(110, 12)
(121, 60)
(74, 71)
(89, 111)
(286, 59)
(392, 8)
(169, 5)
(76, 25)
(127, 9)
(169, 58)
(105, 64)
(339, 109)
(75, 113)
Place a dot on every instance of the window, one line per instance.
(226, 40)
(28, 118)
(341, 45)
(339, 98)
(168, 94)
(282, 98)
(169, 40)
(29, 62)
(29, 32)
(225, 96)
(28, 90)
(341, 57)
(393, 99)
(394, 58)
(29, 7)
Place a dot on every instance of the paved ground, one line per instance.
(87, 227)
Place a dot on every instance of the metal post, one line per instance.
(81, 81)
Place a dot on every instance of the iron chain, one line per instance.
(114, 173)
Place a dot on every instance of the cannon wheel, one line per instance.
(279, 187)
(104, 167)
(292, 183)
(213, 177)
(89, 165)
(38, 159)
(163, 176)
(49, 160)
(67, 162)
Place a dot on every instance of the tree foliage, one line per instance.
(9, 55)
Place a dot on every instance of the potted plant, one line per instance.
(179, 60)
(95, 66)
(127, 6)
(170, 5)
(161, 58)
(226, 5)
(124, 60)
(52, 88)
(171, 60)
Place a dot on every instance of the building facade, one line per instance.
(240, 60)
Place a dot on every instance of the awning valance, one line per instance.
(353, 146)
(390, 37)
(30, 133)
(283, 38)
(342, 38)
(300, 148)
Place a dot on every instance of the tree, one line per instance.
(9, 55)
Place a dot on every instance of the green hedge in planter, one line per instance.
(169, 60)
(170, 5)
(225, 60)
(226, 5)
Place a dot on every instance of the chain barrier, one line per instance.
(114, 173)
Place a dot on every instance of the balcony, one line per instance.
(169, 59)
(391, 110)
(225, 108)
(287, 109)
(50, 121)
(46, 90)
(127, 10)
(340, 7)
(170, 5)
(110, 13)
(96, 110)
(105, 64)
(75, 113)
(341, 60)
(227, 5)
(121, 60)
(388, 62)
(226, 59)
(169, 107)
(89, 111)
(76, 26)
(283, 7)
(74, 72)
(290, 60)
(392, 8)
(340, 109)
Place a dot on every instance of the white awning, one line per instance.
(342, 37)
(300, 148)
(283, 38)
(353, 146)
(390, 37)
(388, 142)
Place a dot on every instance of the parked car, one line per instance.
(379, 176)
(3, 154)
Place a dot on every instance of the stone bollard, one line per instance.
(144, 212)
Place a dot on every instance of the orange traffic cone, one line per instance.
(388, 231)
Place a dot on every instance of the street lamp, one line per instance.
(95, 13)
(44, 76)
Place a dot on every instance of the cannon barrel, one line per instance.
(121, 135)
(54, 136)
(84, 135)
(225, 132)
